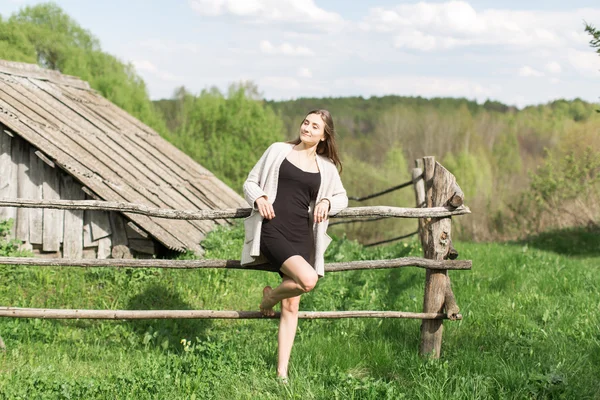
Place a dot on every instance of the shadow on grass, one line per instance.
(157, 297)
(580, 241)
(401, 281)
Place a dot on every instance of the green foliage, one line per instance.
(46, 35)
(506, 155)
(564, 191)
(9, 247)
(595, 40)
(595, 34)
(225, 242)
(14, 43)
(565, 177)
(225, 134)
(473, 171)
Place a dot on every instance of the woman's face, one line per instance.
(312, 130)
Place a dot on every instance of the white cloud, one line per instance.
(300, 11)
(147, 66)
(280, 82)
(526, 71)
(304, 73)
(419, 41)
(428, 86)
(285, 49)
(553, 67)
(168, 46)
(430, 26)
(587, 63)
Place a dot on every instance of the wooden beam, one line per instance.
(235, 264)
(363, 212)
(48, 313)
(45, 159)
(450, 301)
(439, 183)
(458, 197)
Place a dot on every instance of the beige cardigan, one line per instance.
(263, 180)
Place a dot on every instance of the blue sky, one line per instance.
(517, 52)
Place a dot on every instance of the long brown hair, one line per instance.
(327, 147)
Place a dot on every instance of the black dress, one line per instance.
(288, 234)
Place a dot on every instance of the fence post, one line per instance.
(435, 237)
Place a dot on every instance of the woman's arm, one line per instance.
(252, 189)
(338, 199)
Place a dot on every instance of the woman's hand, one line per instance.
(265, 208)
(321, 210)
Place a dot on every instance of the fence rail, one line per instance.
(392, 239)
(234, 264)
(362, 212)
(53, 313)
(386, 191)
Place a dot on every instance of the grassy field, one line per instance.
(531, 330)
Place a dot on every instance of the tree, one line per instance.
(595, 40)
(595, 34)
(46, 35)
(225, 133)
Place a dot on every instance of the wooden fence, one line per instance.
(438, 198)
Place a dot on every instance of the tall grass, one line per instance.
(530, 329)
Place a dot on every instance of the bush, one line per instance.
(9, 247)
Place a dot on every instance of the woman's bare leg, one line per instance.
(303, 280)
(288, 324)
(299, 277)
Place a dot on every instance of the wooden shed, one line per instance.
(59, 139)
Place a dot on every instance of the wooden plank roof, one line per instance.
(110, 152)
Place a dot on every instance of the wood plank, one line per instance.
(8, 179)
(104, 247)
(120, 245)
(99, 225)
(73, 226)
(90, 253)
(36, 215)
(145, 246)
(26, 189)
(53, 220)
(87, 230)
(40, 253)
(135, 232)
(20, 156)
(6, 166)
(34, 71)
(45, 159)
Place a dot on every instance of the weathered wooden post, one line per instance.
(435, 186)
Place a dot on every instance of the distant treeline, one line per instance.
(522, 171)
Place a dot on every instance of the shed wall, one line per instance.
(61, 233)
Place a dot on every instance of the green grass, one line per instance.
(530, 330)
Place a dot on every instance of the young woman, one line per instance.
(292, 189)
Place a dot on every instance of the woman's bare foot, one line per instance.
(266, 308)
